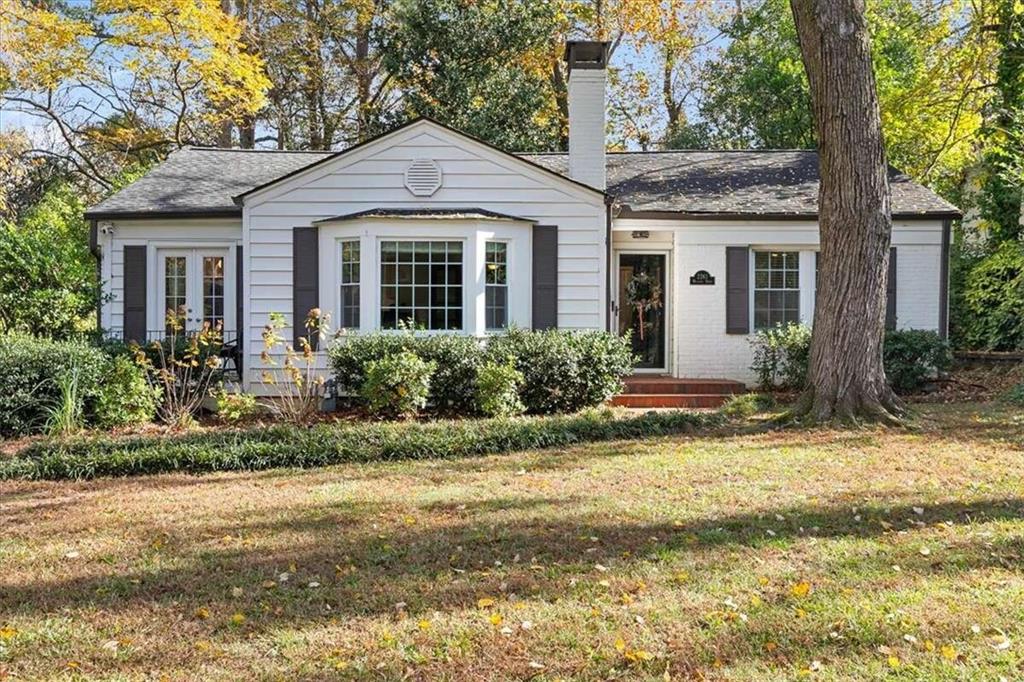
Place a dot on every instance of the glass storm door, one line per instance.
(194, 283)
(642, 306)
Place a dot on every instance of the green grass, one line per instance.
(786, 555)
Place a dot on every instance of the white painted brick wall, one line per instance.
(700, 348)
(587, 126)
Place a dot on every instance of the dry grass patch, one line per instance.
(825, 555)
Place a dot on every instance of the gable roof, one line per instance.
(422, 121)
(199, 181)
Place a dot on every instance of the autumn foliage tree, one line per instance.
(123, 77)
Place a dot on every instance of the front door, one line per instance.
(194, 283)
(643, 303)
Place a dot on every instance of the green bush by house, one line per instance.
(325, 444)
(31, 371)
(563, 371)
(782, 357)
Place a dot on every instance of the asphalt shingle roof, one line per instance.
(747, 182)
(754, 183)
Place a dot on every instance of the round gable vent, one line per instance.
(423, 177)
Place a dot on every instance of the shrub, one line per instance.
(746, 405)
(565, 371)
(497, 389)
(30, 369)
(1015, 396)
(911, 356)
(781, 356)
(287, 445)
(994, 299)
(234, 407)
(397, 385)
(299, 387)
(125, 397)
(186, 365)
(452, 385)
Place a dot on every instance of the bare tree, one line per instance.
(847, 379)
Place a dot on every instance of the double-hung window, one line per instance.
(349, 284)
(496, 282)
(776, 288)
(421, 284)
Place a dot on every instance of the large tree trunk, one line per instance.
(847, 379)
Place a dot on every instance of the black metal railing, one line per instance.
(231, 352)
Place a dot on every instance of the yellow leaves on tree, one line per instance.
(128, 74)
(40, 46)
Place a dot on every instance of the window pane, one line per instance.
(428, 274)
(776, 288)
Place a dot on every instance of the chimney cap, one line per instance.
(586, 54)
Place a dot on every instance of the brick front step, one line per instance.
(662, 385)
(678, 400)
(654, 391)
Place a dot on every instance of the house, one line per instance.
(692, 250)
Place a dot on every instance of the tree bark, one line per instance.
(846, 381)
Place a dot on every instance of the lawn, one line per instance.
(798, 554)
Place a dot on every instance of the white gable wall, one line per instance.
(372, 176)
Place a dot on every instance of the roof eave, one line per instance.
(627, 212)
(170, 214)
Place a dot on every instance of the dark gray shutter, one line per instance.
(737, 290)
(305, 278)
(890, 292)
(135, 293)
(239, 325)
(545, 276)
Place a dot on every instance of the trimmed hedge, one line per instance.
(322, 445)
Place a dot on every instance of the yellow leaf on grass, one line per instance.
(894, 662)
(496, 619)
(755, 601)
(801, 589)
(929, 645)
(269, 584)
(237, 619)
(949, 652)
(620, 645)
(424, 625)
(484, 602)
(202, 613)
(7, 633)
(681, 577)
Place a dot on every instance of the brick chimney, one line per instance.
(588, 61)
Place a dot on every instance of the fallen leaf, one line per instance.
(202, 613)
(484, 602)
(800, 589)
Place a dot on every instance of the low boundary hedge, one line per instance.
(325, 444)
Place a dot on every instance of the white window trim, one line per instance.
(805, 263)
(473, 233)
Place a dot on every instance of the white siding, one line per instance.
(699, 346)
(373, 177)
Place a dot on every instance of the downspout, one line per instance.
(609, 202)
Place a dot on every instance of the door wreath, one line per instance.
(643, 293)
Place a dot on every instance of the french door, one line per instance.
(194, 284)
